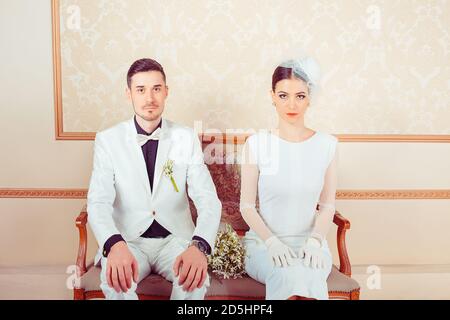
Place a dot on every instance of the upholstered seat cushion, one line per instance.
(244, 287)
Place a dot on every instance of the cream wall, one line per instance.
(42, 232)
(34, 231)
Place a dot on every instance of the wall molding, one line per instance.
(43, 193)
(393, 194)
(381, 194)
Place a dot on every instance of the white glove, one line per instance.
(280, 253)
(312, 254)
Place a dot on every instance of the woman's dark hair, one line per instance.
(280, 73)
(144, 65)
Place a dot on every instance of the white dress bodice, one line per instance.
(291, 178)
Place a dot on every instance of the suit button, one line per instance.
(153, 213)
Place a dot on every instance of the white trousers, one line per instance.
(154, 255)
(283, 282)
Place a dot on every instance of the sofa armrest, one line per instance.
(344, 261)
(81, 222)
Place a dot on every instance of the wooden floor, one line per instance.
(397, 282)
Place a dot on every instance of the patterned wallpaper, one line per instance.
(385, 64)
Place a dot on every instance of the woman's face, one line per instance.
(291, 99)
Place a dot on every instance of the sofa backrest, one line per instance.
(222, 155)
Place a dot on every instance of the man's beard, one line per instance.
(154, 115)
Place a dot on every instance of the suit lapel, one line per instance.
(164, 144)
(137, 158)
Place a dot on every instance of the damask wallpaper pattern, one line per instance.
(385, 64)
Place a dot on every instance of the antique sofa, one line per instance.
(223, 149)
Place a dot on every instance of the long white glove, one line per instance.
(324, 217)
(280, 253)
(311, 252)
(312, 255)
(249, 190)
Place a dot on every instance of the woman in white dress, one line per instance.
(292, 169)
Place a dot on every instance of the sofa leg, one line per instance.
(354, 295)
(78, 294)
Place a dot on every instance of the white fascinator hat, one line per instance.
(306, 69)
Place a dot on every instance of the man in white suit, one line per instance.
(137, 201)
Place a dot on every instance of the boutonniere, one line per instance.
(168, 172)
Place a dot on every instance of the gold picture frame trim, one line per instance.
(60, 134)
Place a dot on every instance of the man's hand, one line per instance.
(121, 267)
(192, 268)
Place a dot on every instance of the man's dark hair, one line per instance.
(144, 65)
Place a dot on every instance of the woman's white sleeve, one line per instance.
(249, 187)
(327, 200)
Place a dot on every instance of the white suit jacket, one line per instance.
(120, 200)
